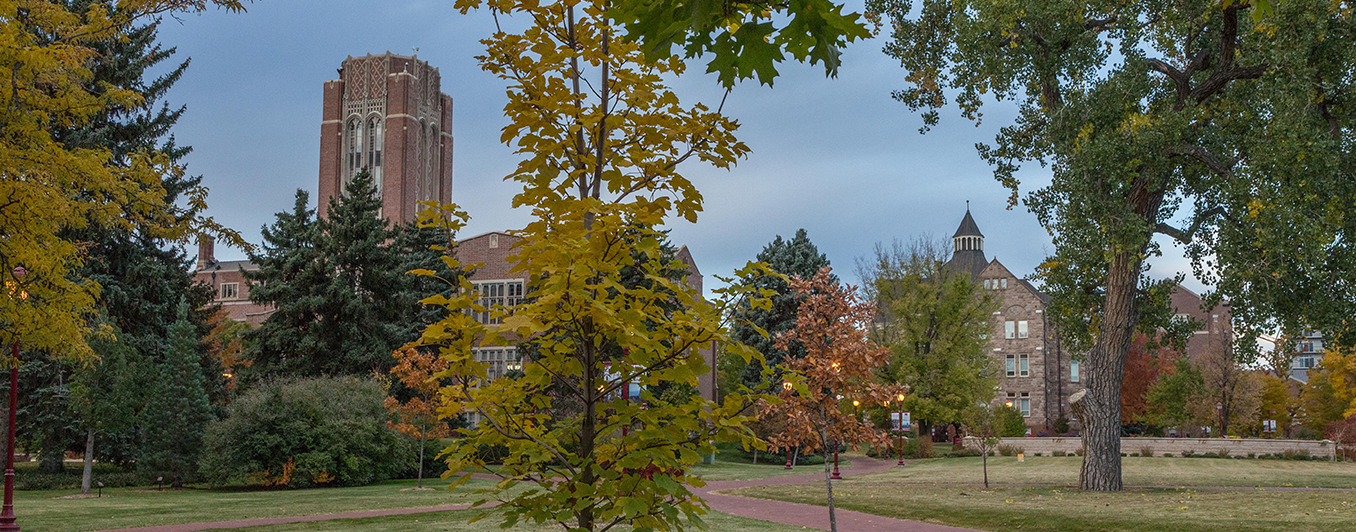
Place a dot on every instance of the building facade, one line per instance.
(387, 114)
(1037, 374)
(228, 283)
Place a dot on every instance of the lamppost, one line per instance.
(900, 397)
(7, 517)
(1219, 408)
(786, 386)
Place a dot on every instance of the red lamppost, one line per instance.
(786, 386)
(7, 517)
(835, 475)
(900, 397)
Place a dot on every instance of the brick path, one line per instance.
(788, 513)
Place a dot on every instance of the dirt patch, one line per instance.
(79, 496)
(418, 489)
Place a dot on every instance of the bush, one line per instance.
(1136, 455)
(296, 434)
(1146, 451)
(1188, 453)
(1252, 455)
(1037, 454)
(1222, 453)
(1059, 453)
(1010, 450)
(1167, 455)
(1209, 455)
(112, 477)
(1010, 423)
(1079, 452)
(1062, 425)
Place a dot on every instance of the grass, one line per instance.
(1044, 509)
(723, 470)
(1172, 472)
(457, 520)
(41, 511)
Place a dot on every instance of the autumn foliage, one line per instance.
(1142, 368)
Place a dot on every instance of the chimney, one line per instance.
(206, 254)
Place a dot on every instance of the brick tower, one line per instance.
(386, 113)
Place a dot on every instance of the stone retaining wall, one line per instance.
(1175, 446)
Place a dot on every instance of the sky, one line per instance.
(837, 157)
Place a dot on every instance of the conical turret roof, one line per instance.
(967, 226)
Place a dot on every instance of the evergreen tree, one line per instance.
(142, 276)
(342, 298)
(177, 408)
(794, 257)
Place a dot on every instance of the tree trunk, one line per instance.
(1101, 469)
(755, 456)
(985, 453)
(87, 478)
(828, 481)
(795, 457)
(421, 460)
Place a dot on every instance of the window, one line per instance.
(493, 294)
(498, 360)
(988, 284)
(1021, 329)
(230, 290)
(1025, 404)
(374, 151)
(1023, 366)
(1009, 329)
(1011, 365)
(1004, 281)
(1073, 371)
(494, 240)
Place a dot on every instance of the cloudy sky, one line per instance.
(837, 157)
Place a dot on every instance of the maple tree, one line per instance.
(1215, 124)
(601, 140)
(839, 365)
(46, 53)
(418, 416)
(1143, 366)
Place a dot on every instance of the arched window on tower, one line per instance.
(351, 150)
(374, 151)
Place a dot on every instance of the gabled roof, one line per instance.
(967, 226)
(486, 233)
(230, 265)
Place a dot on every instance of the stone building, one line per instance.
(1037, 373)
(227, 279)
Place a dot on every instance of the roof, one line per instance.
(967, 226)
(231, 265)
(486, 233)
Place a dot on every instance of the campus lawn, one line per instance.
(723, 470)
(1046, 509)
(45, 511)
(1169, 472)
(457, 521)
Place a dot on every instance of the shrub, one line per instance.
(112, 477)
(1010, 450)
(1188, 453)
(1010, 423)
(319, 431)
(1062, 425)
(1146, 451)
(1209, 455)
(1059, 453)
(1223, 453)
(1133, 454)
(1037, 454)
(1167, 455)
(1078, 452)
(1252, 455)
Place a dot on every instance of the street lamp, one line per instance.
(900, 397)
(786, 385)
(7, 517)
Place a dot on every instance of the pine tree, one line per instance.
(177, 410)
(794, 257)
(342, 298)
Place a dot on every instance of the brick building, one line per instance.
(496, 282)
(1037, 373)
(386, 114)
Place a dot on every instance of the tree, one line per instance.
(1330, 393)
(742, 38)
(104, 395)
(936, 323)
(1278, 360)
(1279, 402)
(339, 288)
(1343, 435)
(759, 327)
(1143, 366)
(601, 140)
(1221, 132)
(981, 424)
(177, 410)
(417, 417)
(52, 186)
(840, 363)
(1174, 398)
(1234, 392)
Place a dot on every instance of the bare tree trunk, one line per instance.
(421, 459)
(755, 456)
(985, 454)
(1101, 469)
(828, 482)
(795, 456)
(87, 478)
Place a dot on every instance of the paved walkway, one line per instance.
(809, 515)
